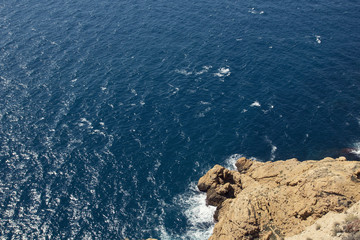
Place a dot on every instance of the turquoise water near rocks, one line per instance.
(110, 111)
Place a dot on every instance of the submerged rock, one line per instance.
(281, 197)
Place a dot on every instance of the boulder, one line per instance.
(243, 164)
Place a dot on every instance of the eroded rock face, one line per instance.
(334, 226)
(281, 197)
(220, 184)
(243, 164)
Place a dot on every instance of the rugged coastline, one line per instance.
(275, 200)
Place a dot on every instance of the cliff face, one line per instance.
(275, 199)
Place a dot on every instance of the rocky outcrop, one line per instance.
(220, 184)
(276, 199)
(334, 226)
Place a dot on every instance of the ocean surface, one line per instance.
(110, 111)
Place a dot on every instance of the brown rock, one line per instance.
(341, 159)
(346, 224)
(356, 176)
(266, 235)
(282, 197)
(243, 164)
(220, 184)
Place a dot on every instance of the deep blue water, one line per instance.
(110, 111)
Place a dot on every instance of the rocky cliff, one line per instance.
(276, 199)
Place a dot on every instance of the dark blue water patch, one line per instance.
(111, 111)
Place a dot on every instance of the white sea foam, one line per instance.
(230, 161)
(204, 103)
(84, 121)
(255, 104)
(202, 114)
(204, 70)
(133, 91)
(175, 91)
(183, 72)
(269, 109)
(273, 148)
(199, 215)
(253, 11)
(356, 149)
(223, 72)
(356, 145)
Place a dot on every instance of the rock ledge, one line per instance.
(278, 199)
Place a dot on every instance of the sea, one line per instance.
(111, 110)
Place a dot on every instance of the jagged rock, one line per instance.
(282, 197)
(243, 164)
(220, 184)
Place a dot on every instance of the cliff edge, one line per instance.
(279, 199)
